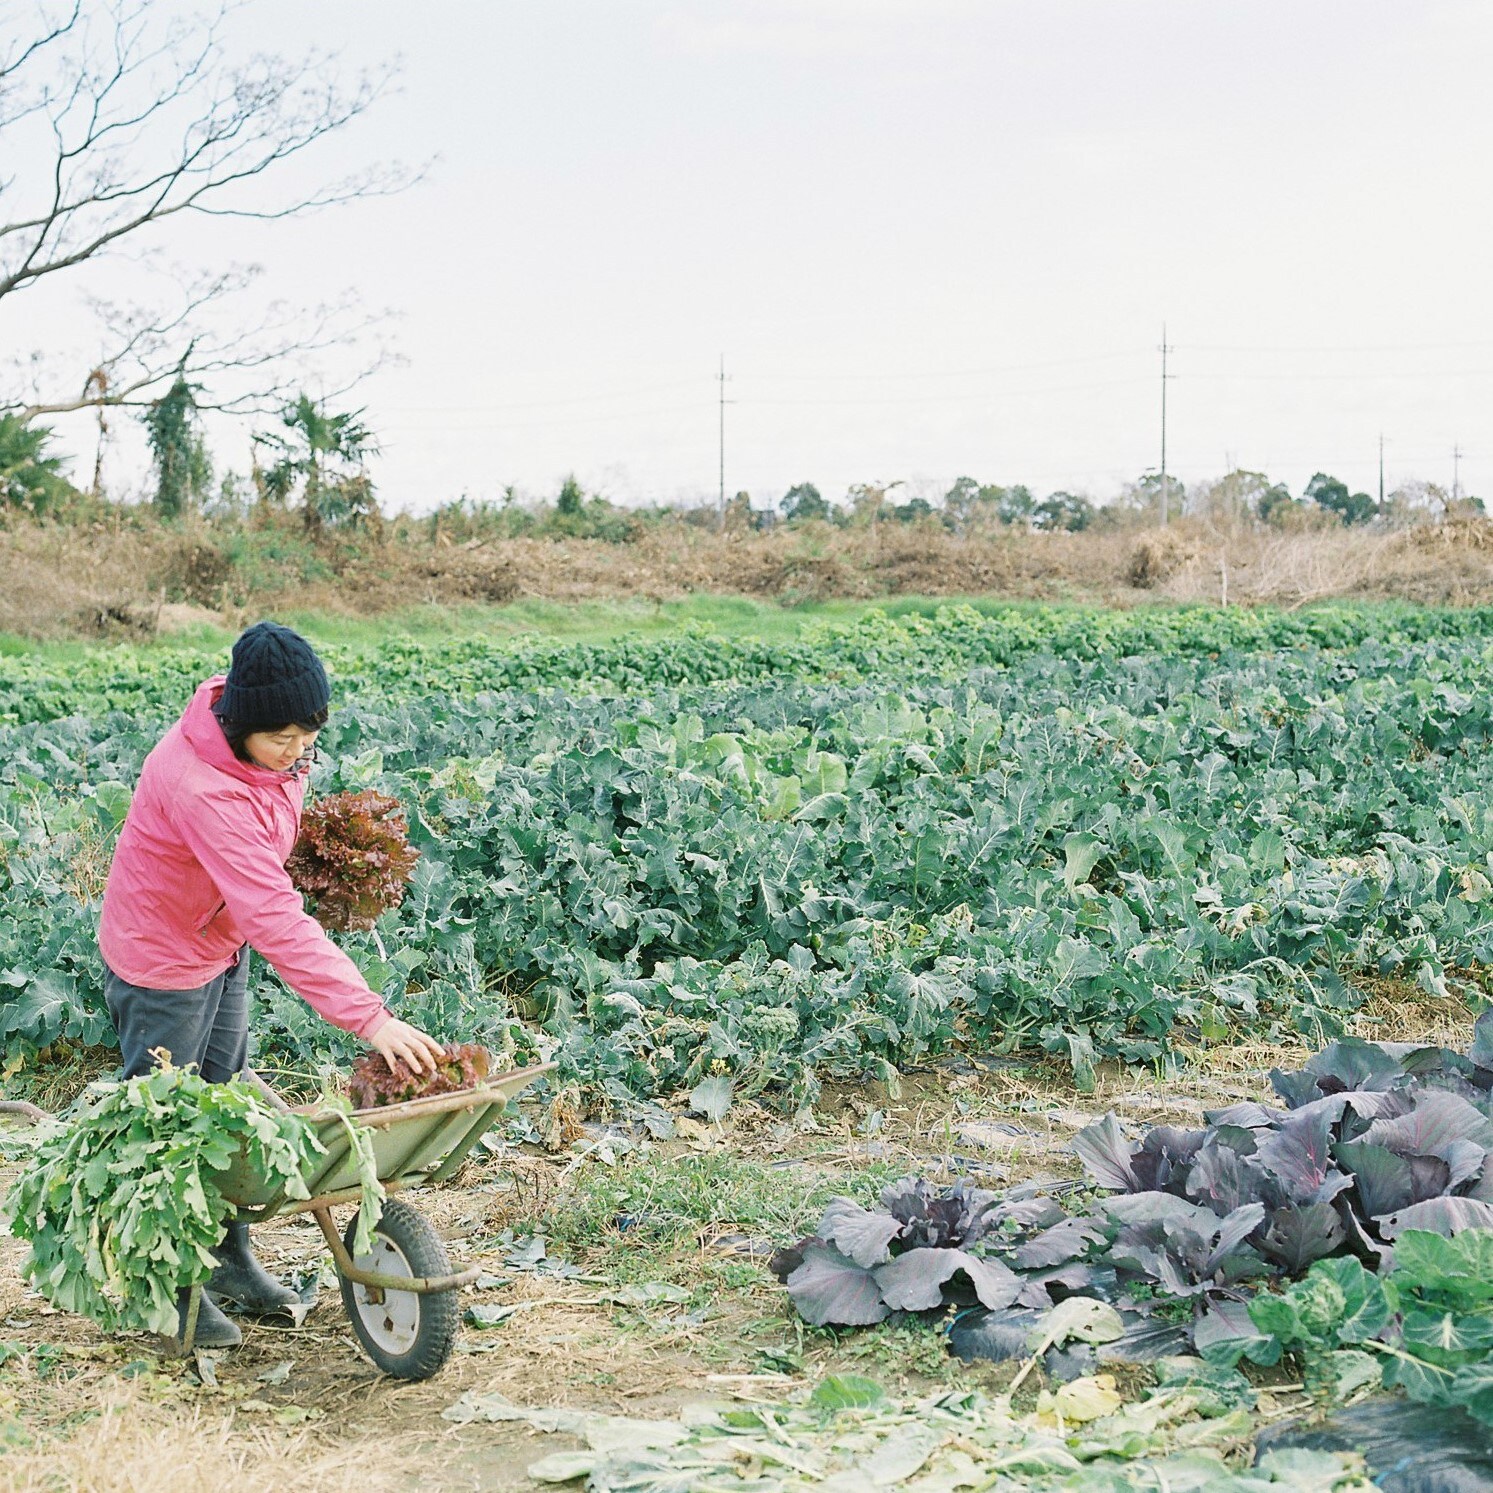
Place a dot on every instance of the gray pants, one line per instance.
(208, 1026)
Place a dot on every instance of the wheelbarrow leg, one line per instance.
(197, 1314)
(328, 1226)
(349, 1269)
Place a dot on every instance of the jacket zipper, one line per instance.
(211, 918)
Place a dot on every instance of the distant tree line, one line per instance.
(1239, 496)
(964, 506)
(312, 462)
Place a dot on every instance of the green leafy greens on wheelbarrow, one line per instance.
(122, 1205)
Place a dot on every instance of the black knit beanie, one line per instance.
(275, 679)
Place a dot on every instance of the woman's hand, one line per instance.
(397, 1039)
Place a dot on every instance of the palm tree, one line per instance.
(326, 452)
(29, 478)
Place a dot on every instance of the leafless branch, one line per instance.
(116, 121)
(23, 50)
(154, 125)
(235, 371)
(18, 101)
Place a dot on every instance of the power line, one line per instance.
(495, 422)
(498, 406)
(497, 411)
(950, 372)
(529, 404)
(980, 396)
(505, 416)
(1368, 347)
(1404, 375)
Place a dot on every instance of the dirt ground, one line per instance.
(627, 1219)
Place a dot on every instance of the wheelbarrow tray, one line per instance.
(424, 1140)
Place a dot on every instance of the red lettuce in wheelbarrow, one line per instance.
(373, 1083)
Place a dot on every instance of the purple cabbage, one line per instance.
(1372, 1139)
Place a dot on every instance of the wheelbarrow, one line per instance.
(400, 1296)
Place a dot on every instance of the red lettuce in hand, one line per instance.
(353, 859)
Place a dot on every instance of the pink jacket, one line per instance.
(199, 870)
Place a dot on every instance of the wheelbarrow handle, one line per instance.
(253, 1079)
(21, 1107)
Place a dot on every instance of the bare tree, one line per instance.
(116, 123)
(242, 370)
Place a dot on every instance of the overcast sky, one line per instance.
(930, 237)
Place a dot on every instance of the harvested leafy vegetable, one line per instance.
(374, 1083)
(849, 1436)
(353, 858)
(123, 1205)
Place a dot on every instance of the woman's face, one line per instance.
(279, 750)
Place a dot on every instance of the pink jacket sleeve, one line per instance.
(233, 845)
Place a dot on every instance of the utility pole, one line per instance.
(1456, 473)
(1164, 376)
(1381, 471)
(721, 510)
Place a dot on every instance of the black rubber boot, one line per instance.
(242, 1281)
(214, 1330)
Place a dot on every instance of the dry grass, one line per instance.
(128, 1444)
(58, 580)
(116, 578)
(1398, 1011)
(1187, 563)
(1435, 564)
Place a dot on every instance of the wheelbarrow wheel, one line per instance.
(407, 1334)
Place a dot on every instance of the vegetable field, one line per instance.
(987, 858)
(1092, 835)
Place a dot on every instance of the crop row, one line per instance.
(786, 879)
(153, 682)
